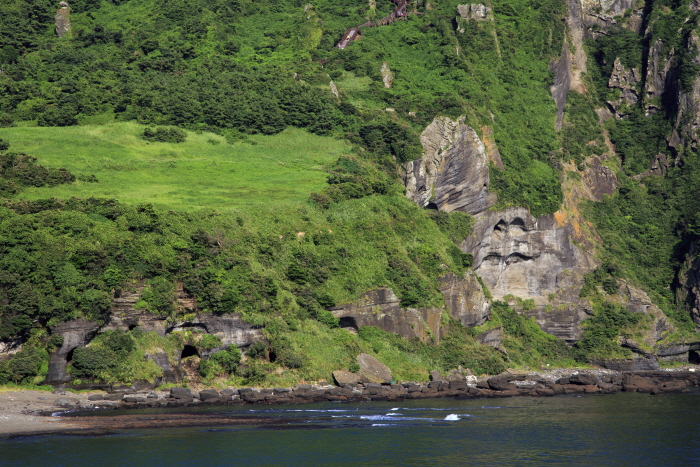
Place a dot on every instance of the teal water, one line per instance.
(617, 430)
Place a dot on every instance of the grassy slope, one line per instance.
(282, 168)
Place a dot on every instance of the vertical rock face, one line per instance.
(533, 259)
(475, 11)
(660, 78)
(626, 81)
(76, 333)
(387, 75)
(63, 26)
(516, 254)
(464, 298)
(689, 279)
(382, 308)
(687, 127)
(453, 175)
(562, 70)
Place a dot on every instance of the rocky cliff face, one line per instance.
(63, 26)
(689, 280)
(382, 308)
(76, 333)
(687, 127)
(124, 316)
(534, 259)
(626, 81)
(465, 301)
(453, 175)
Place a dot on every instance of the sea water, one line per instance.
(622, 429)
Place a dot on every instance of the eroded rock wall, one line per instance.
(453, 175)
(533, 259)
(382, 308)
(464, 298)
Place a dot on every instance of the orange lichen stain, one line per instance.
(560, 217)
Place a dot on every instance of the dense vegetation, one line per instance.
(152, 105)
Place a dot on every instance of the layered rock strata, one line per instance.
(464, 298)
(453, 175)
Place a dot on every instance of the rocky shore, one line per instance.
(26, 413)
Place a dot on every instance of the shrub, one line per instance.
(165, 135)
(209, 341)
(221, 363)
(88, 362)
(24, 365)
(257, 350)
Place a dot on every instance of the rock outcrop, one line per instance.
(464, 298)
(475, 11)
(534, 259)
(598, 180)
(63, 26)
(453, 175)
(688, 293)
(382, 308)
(660, 78)
(686, 131)
(387, 75)
(372, 370)
(229, 328)
(492, 337)
(76, 333)
(627, 81)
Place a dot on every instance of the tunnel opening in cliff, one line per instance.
(189, 351)
(694, 357)
(349, 323)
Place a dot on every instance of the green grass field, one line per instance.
(202, 172)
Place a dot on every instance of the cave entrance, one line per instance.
(349, 323)
(69, 356)
(189, 351)
(694, 357)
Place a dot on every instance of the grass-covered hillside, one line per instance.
(204, 171)
(229, 147)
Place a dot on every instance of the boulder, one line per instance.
(372, 370)
(133, 398)
(180, 393)
(141, 385)
(583, 378)
(343, 377)
(635, 383)
(229, 392)
(96, 397)
(500, 383)
(209, 395)
(436, 376)
(455, 376)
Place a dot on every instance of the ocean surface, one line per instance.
(626, 429)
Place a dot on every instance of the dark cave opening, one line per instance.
(189, 351)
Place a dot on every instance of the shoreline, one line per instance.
(31, 413)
